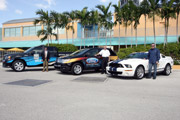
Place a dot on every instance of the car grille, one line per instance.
(115, 65)
(113, 72)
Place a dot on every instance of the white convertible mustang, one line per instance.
(136, 65)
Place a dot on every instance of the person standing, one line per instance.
(105, 58)
(45, 59)
(153, 57)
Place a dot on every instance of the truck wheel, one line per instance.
(139, 73)
(167, 70)
(18, 65)
(77, 69)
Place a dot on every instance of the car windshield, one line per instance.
(79, 52)
(28, 50)
(138, 55)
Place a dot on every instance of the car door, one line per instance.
(162, 63)
(92, 61)
(53, 55)
(35, 57)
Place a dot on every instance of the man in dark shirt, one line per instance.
(45, 59)
(153, 57)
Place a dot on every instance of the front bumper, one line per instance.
(62, 67)
(129, 72)
(5, 64)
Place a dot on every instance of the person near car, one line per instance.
(45, 59)
(105, 58)
(153, 57)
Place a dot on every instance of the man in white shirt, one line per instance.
(105, 55)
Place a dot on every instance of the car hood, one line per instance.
(128, 61)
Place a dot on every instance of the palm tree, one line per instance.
(118, 15)
(45, 19)
(145, 11)
(83, 17)
(105, 16)
(125, 17)
(65, 23)
(177, 10)
(136, 17)
(167, 12)
(57, 22)
(132, 8)
(154, 10)
(72, 17)
(94, 20)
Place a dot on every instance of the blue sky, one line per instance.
(18, 9)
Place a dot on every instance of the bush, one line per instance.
(171, 49)
(65, 47)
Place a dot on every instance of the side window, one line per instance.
(92, 53)
(52, 51)
(37, 50)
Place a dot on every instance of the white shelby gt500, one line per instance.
(136, 65)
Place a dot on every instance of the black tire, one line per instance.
(18, 65)
(77, 69)
(139, 73)
(167, 70)
(97, 69)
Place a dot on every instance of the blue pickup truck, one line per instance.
(30, 58)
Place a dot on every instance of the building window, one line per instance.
(31, 30)
(12, 32)
(60, 30)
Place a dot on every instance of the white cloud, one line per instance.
(47, 4)
(107, 1)
(3, 4)
(18, 12)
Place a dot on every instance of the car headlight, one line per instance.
(8, 58)
(128, 65)
(65, 60)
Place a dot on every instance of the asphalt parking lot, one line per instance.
(68, 97)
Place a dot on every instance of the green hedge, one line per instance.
(65, 47)
(171, 49)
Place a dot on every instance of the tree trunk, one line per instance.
(131, 34)
(66, 36)
(73, 33)
(167, 30)
(84, 38)
(136, 36)
(110, 37)
(154, 29)
(81, 36)
(57, 35)
(94, 35)
(126, 36)
(48, 40)
(164, 34)
(177, 20)
(98, 35)
(119, 38)
(145, 33)
(106, 37)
